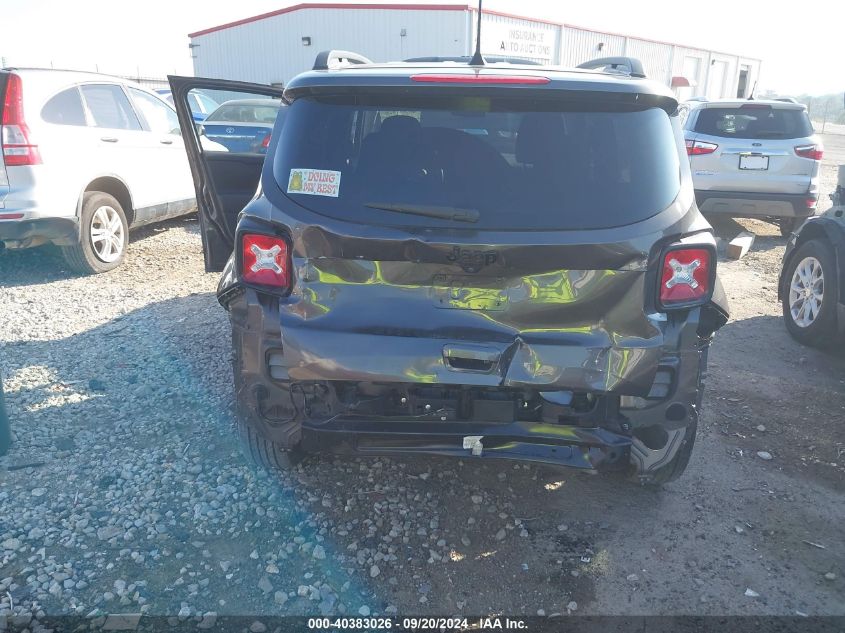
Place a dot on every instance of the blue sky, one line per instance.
(801, 49)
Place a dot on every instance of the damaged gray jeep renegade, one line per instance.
(481, 261)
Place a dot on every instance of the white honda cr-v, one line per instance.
(84, 158)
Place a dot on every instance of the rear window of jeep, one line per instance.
(521, 164)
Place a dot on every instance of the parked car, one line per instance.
(243, 125)
(757, 159)
(201, 104)
(811, 282)
(84, 158)
(398, 285)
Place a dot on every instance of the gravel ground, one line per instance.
(125, 491)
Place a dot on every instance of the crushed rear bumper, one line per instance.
(582, 428)
(575, 447)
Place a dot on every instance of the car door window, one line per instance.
(65, 108)
(160, 118)
(207, 104)
(109, 107)
(242, 123)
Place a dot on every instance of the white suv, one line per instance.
(753, 159)
(84, 158)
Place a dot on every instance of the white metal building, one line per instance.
(274, 47)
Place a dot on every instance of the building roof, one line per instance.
(332, 5)
(434, 7)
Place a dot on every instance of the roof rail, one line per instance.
(627, 65)
(324, 58)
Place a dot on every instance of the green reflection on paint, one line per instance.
(417, 376)
(551, 429)
(495, 295)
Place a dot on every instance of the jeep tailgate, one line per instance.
(499, 240)
(515, 316)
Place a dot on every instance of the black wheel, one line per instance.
(788, 225)
(264, 453)
(678, 464)
(103, 235)
(676, 467)
(810, 294)
(259, 451)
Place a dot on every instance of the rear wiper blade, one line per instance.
(429, 211)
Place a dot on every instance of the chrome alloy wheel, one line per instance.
(107, 234)
(806, 292)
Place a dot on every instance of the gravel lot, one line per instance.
(125, 490)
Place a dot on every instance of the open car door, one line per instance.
(226, 151)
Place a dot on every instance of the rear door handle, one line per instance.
(471, 358)
(166, 141)
(109, 139)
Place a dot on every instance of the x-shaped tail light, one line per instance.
(266, 259)
(686, 277)
(683, 273)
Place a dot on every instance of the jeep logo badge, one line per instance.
(471, 260)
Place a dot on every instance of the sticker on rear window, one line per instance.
(314, 182)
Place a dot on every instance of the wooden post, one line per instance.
(740, 245)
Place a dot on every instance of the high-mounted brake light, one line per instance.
(686, 277)
(15, 137)
(696, 148)
(813, 152)
(265, 260)
(481, 79)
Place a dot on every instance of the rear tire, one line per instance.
(264, 453)
(103, 235)
(815, 328)
(788, 225)
(675, 468)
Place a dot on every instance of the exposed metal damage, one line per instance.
(456, 363)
